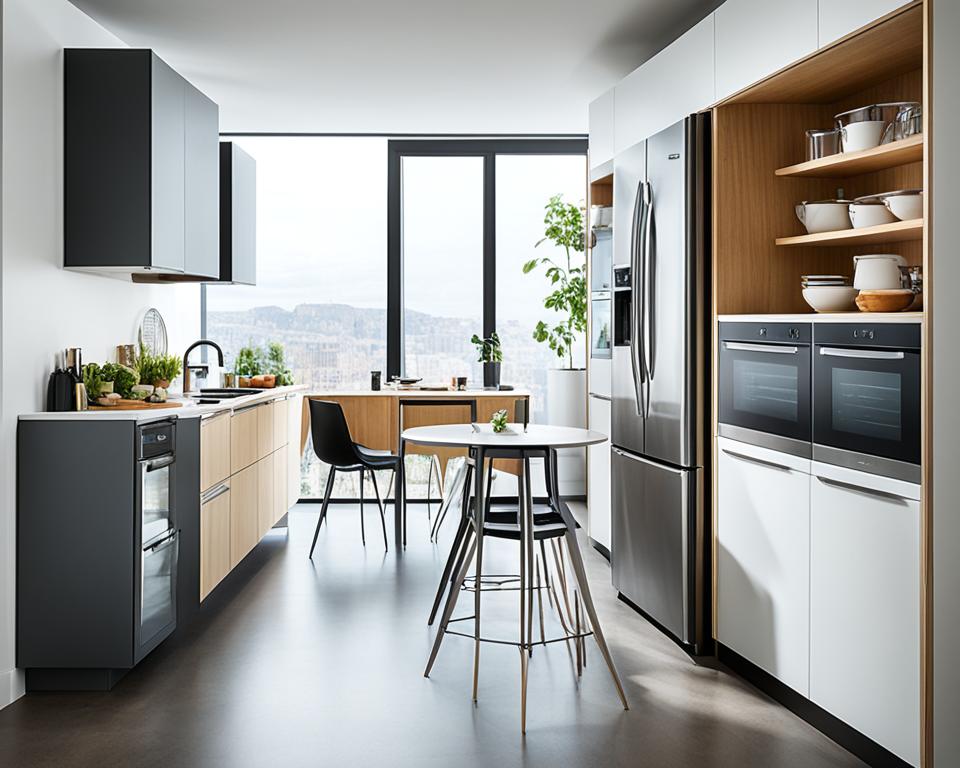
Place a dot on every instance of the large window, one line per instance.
(381, 255)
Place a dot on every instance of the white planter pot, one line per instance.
(567, 407)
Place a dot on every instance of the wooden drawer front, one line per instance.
(214, 451)
(267, 496)
(372, 420)
(281, 418)
(243, 439)
(265, 435)
(214, 542)
(280, 483)
(244, 519)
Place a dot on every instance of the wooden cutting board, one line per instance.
(134, 405)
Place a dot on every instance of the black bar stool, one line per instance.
(333, 445)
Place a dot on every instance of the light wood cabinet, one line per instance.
(244, 516)
(281, 418)
(280, 485)
(214, 450)
(755, 38)
(839, 19)
(243, 439)
(865, 605)
(214, 541)
(266, 494)
(763, 559)
(265, 429)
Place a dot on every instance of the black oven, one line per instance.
(866, 397)
(764, 385)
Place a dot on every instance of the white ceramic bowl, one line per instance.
(824, 215)
(905, 207)
(866, 134)
(870, 214)
(830, 298)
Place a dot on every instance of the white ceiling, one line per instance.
(401, 66)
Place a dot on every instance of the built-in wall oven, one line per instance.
(866, 402)
(764, 385)
(157, 545)
(601, 279)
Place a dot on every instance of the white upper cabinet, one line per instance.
(755, 38)
(601, 130)
(667, 88)
(841, 18)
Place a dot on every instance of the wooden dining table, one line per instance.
(377, 418)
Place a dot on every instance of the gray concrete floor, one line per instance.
(300, 663)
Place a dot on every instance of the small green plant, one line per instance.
(92, 380)
(499, 421)
(249, 361)
(156, 368)
(124, 379)
(488, 349)
(277, 364)
(565, 228)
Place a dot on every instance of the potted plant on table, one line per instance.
(566, 385)
(490, 354)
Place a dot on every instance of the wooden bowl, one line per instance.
(894, 300)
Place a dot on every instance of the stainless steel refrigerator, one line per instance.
(661, 357)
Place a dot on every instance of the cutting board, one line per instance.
(134, 405)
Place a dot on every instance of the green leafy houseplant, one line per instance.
(249, 361)
(488, 349)
(564, 227)
(277, 364)
(92, 380)
(499, 420)
(124, 379)
(158, 370)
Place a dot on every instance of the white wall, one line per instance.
(946, 372)
(43, 307)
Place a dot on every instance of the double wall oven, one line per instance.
(841, 393)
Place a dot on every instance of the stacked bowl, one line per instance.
(828, 293)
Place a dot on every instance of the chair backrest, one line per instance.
(331, 435)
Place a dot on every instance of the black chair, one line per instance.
(333, 445)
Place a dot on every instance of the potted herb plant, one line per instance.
(566, 385)
(490, 354)
(248, 363)
(277, 364)
(158, 370)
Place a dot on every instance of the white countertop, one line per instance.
(446, 394)
(189, 410)
(827, 317)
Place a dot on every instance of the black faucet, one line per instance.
(204, 368)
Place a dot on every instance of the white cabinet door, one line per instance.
(763, 533)
(841, 18)
(601, 130)
(598, 488)
(865, 605)
(667, 88)
(755, 38)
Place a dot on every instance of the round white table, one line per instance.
(536, 441)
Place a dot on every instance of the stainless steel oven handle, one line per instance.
(168, 539)
(860, 488)
(755, 460)
(773, 349)
(861, 354)
(154, 464)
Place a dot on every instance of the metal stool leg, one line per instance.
(480, 514)
(457, 549)
(323, 508)
(450, 605)
(524, 613)
(363, 534)
(383, 522)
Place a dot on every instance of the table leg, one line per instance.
(400, 503)
(479, 512)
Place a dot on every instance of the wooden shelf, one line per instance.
(909, 150)
(897, 232)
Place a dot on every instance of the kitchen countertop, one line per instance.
(189, 410)
(827, 317)
(445, 394)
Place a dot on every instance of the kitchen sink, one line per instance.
(227, 392)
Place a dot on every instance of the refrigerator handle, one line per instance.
(649, 296)
(636, 335)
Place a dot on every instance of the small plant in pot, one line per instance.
(491, 355)
(158, 370)
(248, 364)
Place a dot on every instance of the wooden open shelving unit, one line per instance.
(895, 232)
(846, 164)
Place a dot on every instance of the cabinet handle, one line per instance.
(772, 349)
(755, 460)
(861, 354)
(214, 493)
(246, 408)
(861, 489)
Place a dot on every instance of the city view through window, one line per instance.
(322, 261)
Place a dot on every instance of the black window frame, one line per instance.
(488, 149)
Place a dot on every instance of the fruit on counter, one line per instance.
(159, 395)
(111, 399)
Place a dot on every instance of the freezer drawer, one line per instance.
(654, 539)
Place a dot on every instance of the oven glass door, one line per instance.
(156, 483)
(601, 343)
(766, 387)
(868, 401)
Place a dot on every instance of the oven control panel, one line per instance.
(895, 335)
(771, 333)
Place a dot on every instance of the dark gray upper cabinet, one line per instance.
(238, 215)
(140, 167)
